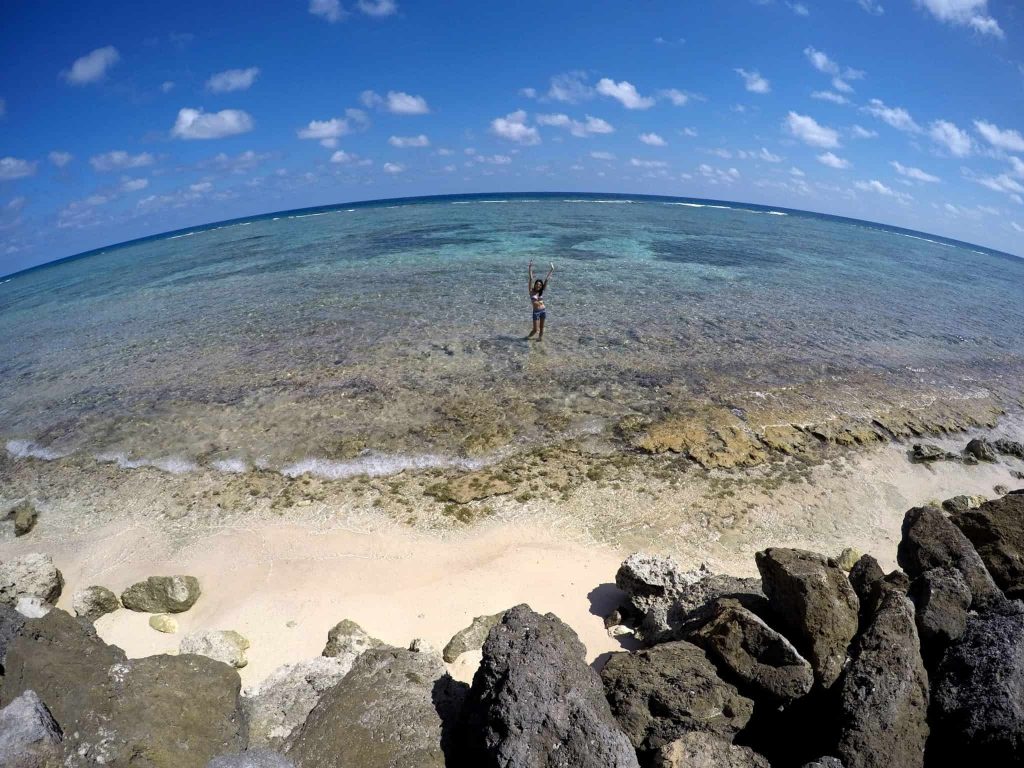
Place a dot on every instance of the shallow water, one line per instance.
(387, 336)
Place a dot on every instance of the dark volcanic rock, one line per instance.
(980, 449)
(660, 595)
(942, 599)
(162, 594)
(1010, 448)
(761, 661)
(864, 573)
(29, 737)
(700, 749)
(826, 762)
(389, 711)
(978, 696)
(815, 603)
(661, 693)
(884, 692)
(931, 541)
(535, 703)
(11, 623)
(996, 529)
(926, 453)
(158, 712)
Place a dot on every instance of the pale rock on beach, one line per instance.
(31, 575)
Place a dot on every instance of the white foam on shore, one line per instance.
(26, 449)
(231, 466)
(171, 464)
(377, 465)
(777, 213)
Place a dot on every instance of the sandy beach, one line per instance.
(283, 577)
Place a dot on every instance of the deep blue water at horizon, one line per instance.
(389, 333)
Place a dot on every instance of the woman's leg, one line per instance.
(533, 332)
(541, 334)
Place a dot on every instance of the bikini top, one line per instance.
(535, 297)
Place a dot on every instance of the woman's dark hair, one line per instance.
(538, 286)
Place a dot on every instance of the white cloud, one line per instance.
(1008, 139)
(859, 132)
(799, 9)
(233, 80)
(393, 167)
(717, 175)
(820, 61)
(119, 160)
(513, 127)
(897, 117)
(677, 97)
(652, 139)
(794, 171)
(134, 185)
(197, 124)
(754, 82)
(492, 159)
(378, 7)
(1018, 166)
(956, 141)
(529, 93)
(403, 142)
(240, 163)
(590, 126)
(914, 173)
(876, 186)
(647, 163)
(60, 159)
(871, 6)
(625, 93)
(1017, 227)
(328, 9)
(835, 98)
(342, 157)
(841, 85)
(965, 13)
(325, 130)
(833, 161)
(15, 168)
(167, 86)
(767, 156)
(691, 132)
(602, 155)
(570, 87)
(93, 66)
(811, 132)
(1000, 183)
(400, 103)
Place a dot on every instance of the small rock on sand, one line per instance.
(93, 602)
(162, 594)
(25, 515)
(162, 622)
(32, 575)
(222, 645)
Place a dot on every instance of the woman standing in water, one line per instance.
(536, 293)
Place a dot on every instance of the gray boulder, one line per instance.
(471, 638)
(764, 664)
(661, 693)
(700, 749)
(981, 449)
(932, 541)
(535, 703)
(865, 572)
(815, 604)
(884, 693)
(32, 575)
(162, 594)
(29, 736)
(926, 453)
(978, 696)
(996, 529)
(223, 645)
(346, 638)
(25, 515)
(1009, 448)
(826, 762)
(278, 705)
(942, 599)
(390, 711)
(92, 602)
(251, 758)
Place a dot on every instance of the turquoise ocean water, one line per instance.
(378, 336)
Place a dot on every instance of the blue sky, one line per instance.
(121, 122)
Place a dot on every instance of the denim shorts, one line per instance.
(539, 314)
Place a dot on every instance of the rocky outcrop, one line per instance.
(816, 606)
(162, 594)
(864, 573)
(932, 541)
(391, 710)
(471, 638)
(535, 703)
(32, 575)
(92, 602)
(978, 696)
(251, 758)
(883, 696)
(763, 663)
(280, 704)
(11, 623)
(226, 646)
(346, 638)
(659, 694)
(29, 736)
(700, 749)
(996, 529)
(962, 503)
(942, 599)
(926, 453)
(1009, 448)
(981, 449)
(661, 596)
